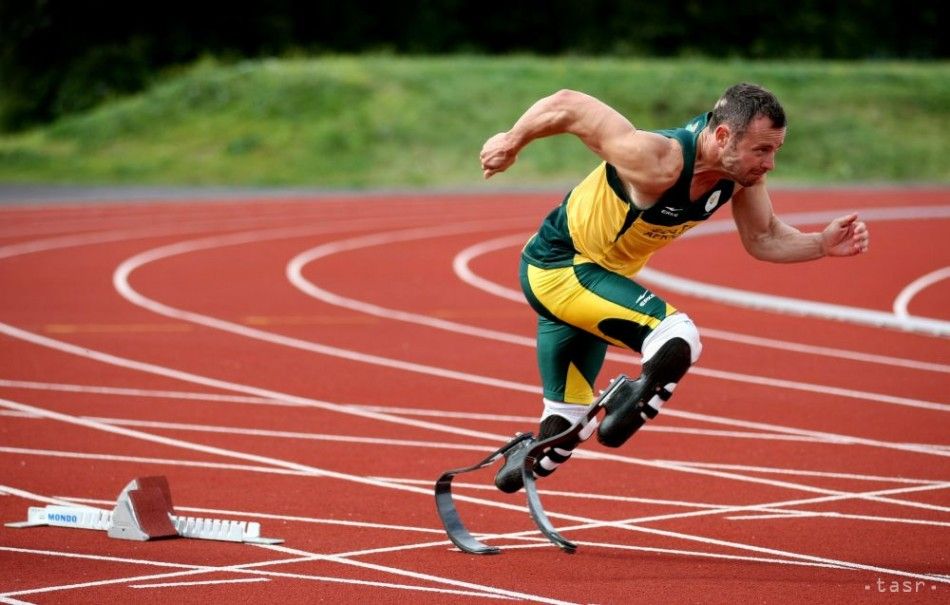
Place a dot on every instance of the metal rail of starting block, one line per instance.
(144, 511)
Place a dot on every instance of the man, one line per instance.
(650, 188)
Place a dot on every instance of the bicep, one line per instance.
(617, 141)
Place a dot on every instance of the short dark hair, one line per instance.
(742, 103)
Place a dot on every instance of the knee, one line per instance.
(678, 325)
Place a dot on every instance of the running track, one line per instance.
(315, 364)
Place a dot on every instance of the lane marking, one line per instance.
(415, 575)
(430, 444)
(190, 570)
(462, 261)
(837, 515)
(200, 583)
(122, 284)
(295, 275)
(175, 462)
(780, 433)
(194, 378)
(915, 287)
(265, 460)
(189, 445)
(757, 300)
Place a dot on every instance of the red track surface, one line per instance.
(243, 389)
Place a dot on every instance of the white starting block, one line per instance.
(143, 511)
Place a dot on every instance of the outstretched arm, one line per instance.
(644, 159)
(767, 238)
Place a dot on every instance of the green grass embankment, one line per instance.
(394, 122)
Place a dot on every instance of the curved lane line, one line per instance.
(795, 306)
(462, 261)
(295, 275)
(915, 287)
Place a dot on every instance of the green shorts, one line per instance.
(582, 309)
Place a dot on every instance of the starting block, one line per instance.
(143, 511)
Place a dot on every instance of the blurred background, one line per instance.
(401, 95)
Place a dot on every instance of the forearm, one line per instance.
(785, 244)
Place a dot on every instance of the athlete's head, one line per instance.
(748, 125)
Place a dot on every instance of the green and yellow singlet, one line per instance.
(598, 222)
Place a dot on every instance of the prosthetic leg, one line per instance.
(640, 400)
(668, 353)
(525, 451)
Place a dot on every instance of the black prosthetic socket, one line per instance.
(509, 480)
(630, 407)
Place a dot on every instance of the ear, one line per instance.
(722, 134)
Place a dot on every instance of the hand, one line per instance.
(498, 154)
(845, 236)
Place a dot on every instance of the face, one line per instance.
(749, 157)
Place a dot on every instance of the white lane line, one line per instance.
(915, 287)
(149, 368)
(123, 287)
(23, 451)
(4, 490)
(130, 392)
(757, 300)
(430, 444)
(190, 570)
(473, 486)
(794, 306)
(818, 500)
(256, 458)
(415, 575)
(200, 583)
(462, 261)
(806, 436)
(281, 463)
(295, 275)
(123, 272)
(634, 524)
(820, 435)
(700, 554)
(770, 508)
(807, 473)
(782, 435)
(203, 380)
(837, 515)
(323, 226)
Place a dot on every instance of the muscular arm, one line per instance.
(767, 238)
(650, 163)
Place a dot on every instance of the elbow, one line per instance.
(757, 248)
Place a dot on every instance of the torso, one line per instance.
(600, 222)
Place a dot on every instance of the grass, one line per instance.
(386, 122)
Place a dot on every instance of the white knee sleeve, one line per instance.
(678, 325)
(572, 412)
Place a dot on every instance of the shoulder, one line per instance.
(655, 165)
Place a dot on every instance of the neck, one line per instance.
(702, 163)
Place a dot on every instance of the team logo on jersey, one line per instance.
(713, 200)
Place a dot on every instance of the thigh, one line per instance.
(569, 360)
(600, 302)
